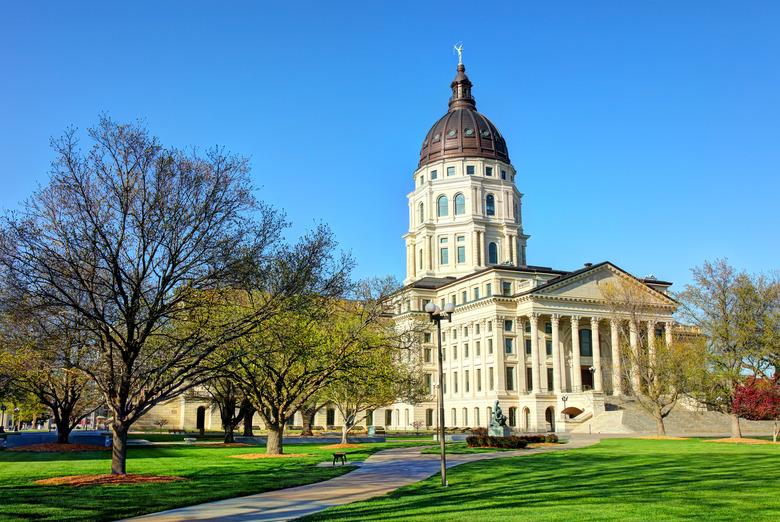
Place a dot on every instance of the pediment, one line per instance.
(589, 285)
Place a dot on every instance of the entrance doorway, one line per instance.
(200, 419)
(549, 416)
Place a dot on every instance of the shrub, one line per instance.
(480, 432)
(551, 437)
(358, 429)
(486, 441)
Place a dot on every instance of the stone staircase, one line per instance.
(624, 415)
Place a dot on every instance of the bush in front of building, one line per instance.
(486, 441)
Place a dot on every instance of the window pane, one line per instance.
(492, 255)
(443, 256)
(443, 205)
(460, 204)
(490, 205)
(488, 171)
(462, 259)
(469, 169)
(433, 174)
(450, 171)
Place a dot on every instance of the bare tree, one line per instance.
(739, 314)
(129, 237)
(661, 369)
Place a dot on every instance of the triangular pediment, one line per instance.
(590, 285)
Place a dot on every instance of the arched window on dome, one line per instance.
(460, 204)
(442, 206)
(421, 212)
(493, 254)
(490, 205)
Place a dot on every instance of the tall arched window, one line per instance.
(465, 418)
(421, 213)
(493, 254)
(460, 204)
(442, 206)
(490, 205)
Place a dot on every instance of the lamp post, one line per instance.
(436, 316)
(16, 419)
(2, 416)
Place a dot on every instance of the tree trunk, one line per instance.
(659, 422)
(63, 432)
(776, 431)
(229, 439)
(274, 444)
(248, 422)
(118, 448)
(736, 431)
(308, 414)
(344, 431)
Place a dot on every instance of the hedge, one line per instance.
(486, 441)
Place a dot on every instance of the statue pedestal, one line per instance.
(498, 431)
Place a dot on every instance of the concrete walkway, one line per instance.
(381, 473)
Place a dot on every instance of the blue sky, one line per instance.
(645, 133)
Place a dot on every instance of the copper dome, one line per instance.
(463, 131)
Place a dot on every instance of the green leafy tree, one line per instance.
(739, 314)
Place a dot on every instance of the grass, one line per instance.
(211, 476)
(618, 479)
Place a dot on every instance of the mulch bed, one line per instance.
(53, 447)
(662, 437)
(268, 456)
(742, 441)
(105, 480)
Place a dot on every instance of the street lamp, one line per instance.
(16, 418)
(436, 316)
(592, 371)
(2, 416)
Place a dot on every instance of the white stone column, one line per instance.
(576, 375)
(651, 339)
(522, 385)
(668, 332)
(595, 340)
(537, 381)
(617, 370)
(556, 354)
(634, 344)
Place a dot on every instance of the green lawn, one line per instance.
(212, 476)
(618, 479)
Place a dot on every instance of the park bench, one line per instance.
(175, 431)
(340, 457)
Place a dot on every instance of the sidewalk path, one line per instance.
(381, 473)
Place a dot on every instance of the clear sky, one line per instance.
(646, 133)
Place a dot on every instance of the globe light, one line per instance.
(431, 308)
(449, 308)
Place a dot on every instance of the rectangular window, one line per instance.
(444, 384)
(488, 171)
(476, 294)
(549, 379)
(529, 379)
(444, 257)
(527, 326)
(464, 295)
(490, 346)
(510, 378)
(586, 346)
(443, 336)
(508, 325)
(465, 350)
(450, 171)
(422, 180)
(443, 353)
(489, 289)
(454, 352)
(454, 333)
(508, 345)
(478, 347)
(548, 346)
(503, 174)
(490, 326)
(491, 384)
(465, 331)
(528, 346)
(427, 355)
(479, 379)
(548, 328)
(506, 288)
(455, 382)
(429, 382)
(433, 174)
(461, 254)
(477, 328)
(470, 169)
(466, 384)
(427, 337)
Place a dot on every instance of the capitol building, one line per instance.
(541, 341)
